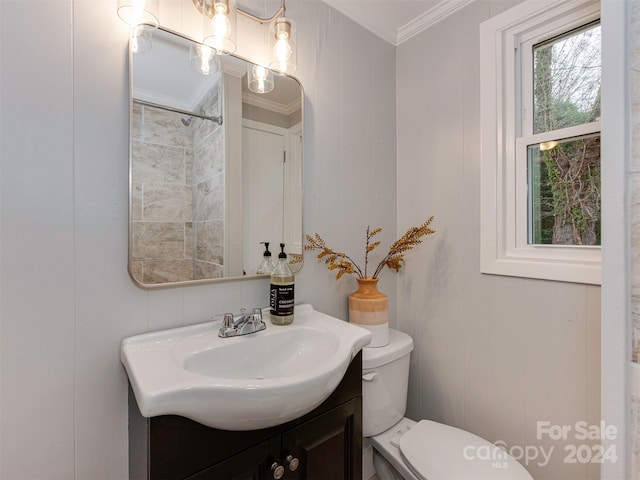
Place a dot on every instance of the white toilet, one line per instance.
(401, 448)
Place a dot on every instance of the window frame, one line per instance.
(506, 43)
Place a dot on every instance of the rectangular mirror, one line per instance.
(215, 168)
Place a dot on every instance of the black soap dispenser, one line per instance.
(282, 291)
(266, 265)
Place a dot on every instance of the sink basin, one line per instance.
(241, 383)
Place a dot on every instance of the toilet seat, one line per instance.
(434, 451)
(386, 444)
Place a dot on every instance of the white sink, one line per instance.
(242, 383)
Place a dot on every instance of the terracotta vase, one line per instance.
(368, 308)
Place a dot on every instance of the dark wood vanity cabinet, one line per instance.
(325, 444)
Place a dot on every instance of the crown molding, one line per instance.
(365, 19)
(260, 101)
(391, 34)
(429, 18)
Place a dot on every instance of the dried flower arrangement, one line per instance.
(394, 259)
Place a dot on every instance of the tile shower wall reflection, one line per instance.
(635, 239)
(208, 192)
(177, 194)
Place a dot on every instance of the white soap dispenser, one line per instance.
(266, 265)
(282, 291)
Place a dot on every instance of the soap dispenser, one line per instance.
(281, 294)
(266, 265)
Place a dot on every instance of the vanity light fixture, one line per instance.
(139, 12)
(203, 59)
(140, 39)
(219, 24)
(142, 17)
(259, 79)
(283, 49)
(219, 31)
(219, 36)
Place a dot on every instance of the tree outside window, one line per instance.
(564, 173)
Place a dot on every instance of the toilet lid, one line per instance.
(435, 451)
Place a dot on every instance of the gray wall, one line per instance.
(66, 300)
(493, 354)
(634, 180)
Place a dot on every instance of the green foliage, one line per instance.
(567, 93)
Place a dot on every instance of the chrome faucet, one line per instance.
(243, 324)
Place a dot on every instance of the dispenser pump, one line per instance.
(266, 266)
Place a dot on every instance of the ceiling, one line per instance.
(397, 20)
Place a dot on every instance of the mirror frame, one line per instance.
(296, 266)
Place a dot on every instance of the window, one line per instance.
(540, 113)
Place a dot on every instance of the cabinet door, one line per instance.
(327, 447)
(251, 464)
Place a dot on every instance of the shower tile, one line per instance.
(634, 374)
(188, 166)
(136, 270)
(168, 203)
(635, 136)
(157, 240)
(209, 156)
(188, 240)
(136, 202)
(635, 326)
(206, 270)
(209, 241)
(168, 271)
(635, 234)
(157, 163)
(165, 128)
(208, 200)
(136, 122)
(208, 106)
(203, 129)
(635, 267)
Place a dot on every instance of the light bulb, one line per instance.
(282, 52)
(134, 44)
(139, 12)
(219, 27)
(283, 58)
(260, 79)
(261, 74)
(140, 39)
(203, 59)
(206, 54)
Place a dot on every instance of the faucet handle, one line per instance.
(227, 320)
(257, 313)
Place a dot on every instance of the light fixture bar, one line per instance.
(281, 11)
(200, 5)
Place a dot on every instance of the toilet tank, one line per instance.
(385, 381)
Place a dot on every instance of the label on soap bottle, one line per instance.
(282, 299)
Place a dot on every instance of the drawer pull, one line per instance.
(293, 463)
(278, 471)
